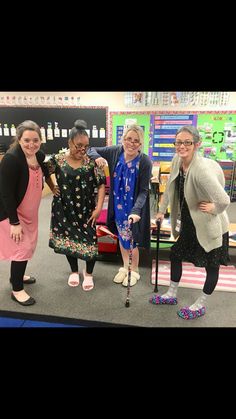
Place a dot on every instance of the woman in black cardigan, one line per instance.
(130, 174)
(21, 180)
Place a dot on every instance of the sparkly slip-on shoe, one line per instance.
(187, 314)
(157, 299)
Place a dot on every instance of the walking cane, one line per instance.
(130, 260)
(158, 223)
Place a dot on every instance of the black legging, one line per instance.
(17, 274)
(212, 276)
(74, 264)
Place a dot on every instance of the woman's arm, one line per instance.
(164, 202)
(217, 200)
(10, 173)
(54, 187)
(100, 200)
(96, 152)
(102, 155)
(145, 174)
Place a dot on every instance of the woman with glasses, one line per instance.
(130, 173)
(198, 202)
(77, 205)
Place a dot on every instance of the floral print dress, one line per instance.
(70, 232)
(125, 176)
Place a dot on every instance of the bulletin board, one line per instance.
(218, 134)
(217, 130)
(60, 118)
(162, 134)
(120, 120)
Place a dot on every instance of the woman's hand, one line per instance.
(56, 190)
(16, 233)
(135, 218)
(94, 216)
(101, 162)
(160, 216)
(206, 207)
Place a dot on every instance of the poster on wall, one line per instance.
(218, 134)
(120, 121)
(134, 98)
(163, 129)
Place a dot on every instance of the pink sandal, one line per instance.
(73, 280)
(88, 283)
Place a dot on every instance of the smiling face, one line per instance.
(79, 146)
(30, 142)
(184, 145)
(131, 144)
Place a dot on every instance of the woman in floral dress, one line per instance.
(77, 206)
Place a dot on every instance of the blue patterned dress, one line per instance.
(125, 177)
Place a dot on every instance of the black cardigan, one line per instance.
(141, 229)
(14, 179)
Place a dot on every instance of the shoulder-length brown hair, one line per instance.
(25, 126)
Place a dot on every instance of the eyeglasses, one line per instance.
(130, 141)
(185, 143)
(81, 146)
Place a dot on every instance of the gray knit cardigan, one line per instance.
(204, 182)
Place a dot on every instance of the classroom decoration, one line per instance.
(55, 124)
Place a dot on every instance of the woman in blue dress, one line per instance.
(130, 173)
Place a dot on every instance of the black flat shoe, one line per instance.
(28, 302)
(30, 280)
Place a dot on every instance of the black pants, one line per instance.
(74, 264)
(17, 274)
(212, 276)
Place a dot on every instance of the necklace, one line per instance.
(184, 169)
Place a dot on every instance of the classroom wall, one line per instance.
(118, 112)
(115, 101)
